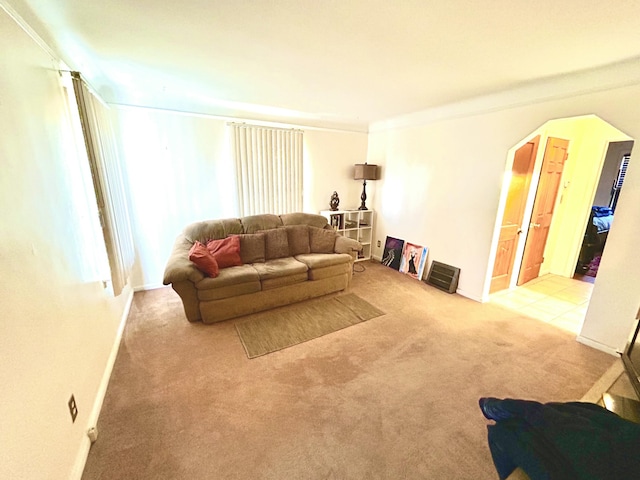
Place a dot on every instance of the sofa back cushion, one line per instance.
(204, 260)
(310, 219)
(255, 223)
(322, 240)
(212, 230)
(276, 244)
(298, 238)
(252, 247)
(226, 251)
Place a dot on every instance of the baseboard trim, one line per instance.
(468, 295)
(148, 286)
(83, 453)
(597, 345)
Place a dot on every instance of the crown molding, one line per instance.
(612, 76)
(24, 25)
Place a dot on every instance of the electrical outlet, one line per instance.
(378, 242)
(73, 408)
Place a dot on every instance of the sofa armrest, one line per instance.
(179, 268)
(347, 245)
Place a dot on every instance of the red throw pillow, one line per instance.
(204, 260)
(226, 251)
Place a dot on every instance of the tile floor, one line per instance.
(557, 300)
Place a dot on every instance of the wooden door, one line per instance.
(521, 174)
(550, 177)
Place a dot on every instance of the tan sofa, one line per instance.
(286, 259)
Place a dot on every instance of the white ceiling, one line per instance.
(350, 62)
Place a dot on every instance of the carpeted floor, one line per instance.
(394, 397)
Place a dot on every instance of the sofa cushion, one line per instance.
(252, 247)
(326, 272)
(321, 260)
(271, 283)
(298, 238)
(229, 291)
(310, 219)
(276, 244)
(204, 260)
(226, 251)
(280, 267)
(255, 223)
(321, 240)
(212, 229)
(230, 276)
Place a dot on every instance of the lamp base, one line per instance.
(363, 197)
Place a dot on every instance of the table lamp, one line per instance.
(364, 171)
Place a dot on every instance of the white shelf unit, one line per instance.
(356, 224)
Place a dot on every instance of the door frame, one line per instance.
(545, 132)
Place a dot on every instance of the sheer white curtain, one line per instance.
(108, 183)
(268, 169)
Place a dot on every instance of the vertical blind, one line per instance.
(106, 172)
(268, 169)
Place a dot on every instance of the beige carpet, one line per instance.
(280, 328)
(395, 397)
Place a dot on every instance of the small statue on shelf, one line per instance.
(335, 201)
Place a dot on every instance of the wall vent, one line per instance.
(444, 277)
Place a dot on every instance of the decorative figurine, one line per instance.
(335, 201)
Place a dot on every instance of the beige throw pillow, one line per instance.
(321, 240)
(276, 244)
(252, 248)
(298, 237)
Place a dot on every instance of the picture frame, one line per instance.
(392, 254)
(413, 260)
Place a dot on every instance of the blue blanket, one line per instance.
(564, 441)
(601, 211)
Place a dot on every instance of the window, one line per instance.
(268, 169)
(108, 182)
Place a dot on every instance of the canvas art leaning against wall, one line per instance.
(392, 252)
(414, 259)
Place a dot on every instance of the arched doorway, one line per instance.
(588, 138)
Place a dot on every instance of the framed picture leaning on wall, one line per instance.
(392, 252)
(413, 261)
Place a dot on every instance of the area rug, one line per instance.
(284, 327)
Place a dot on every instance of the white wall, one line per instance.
(58, 323)
(442, 188)
(180, 171)
(329, 157)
